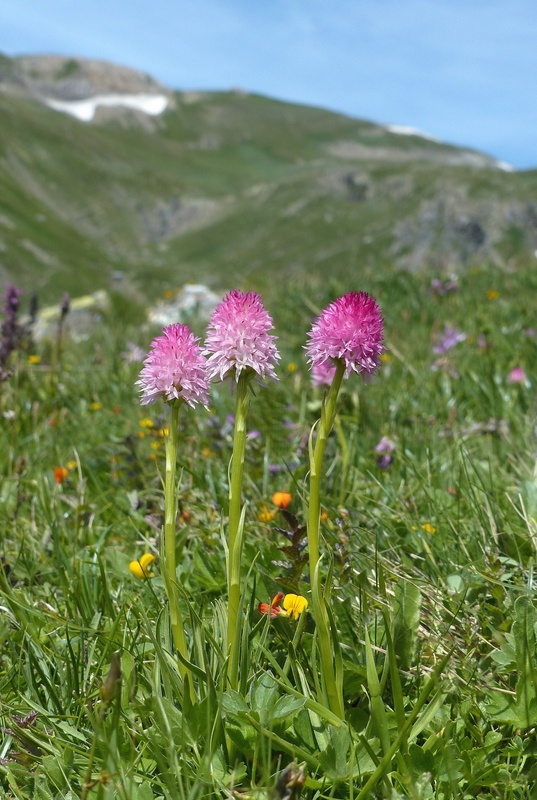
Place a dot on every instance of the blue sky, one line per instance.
(464, 71)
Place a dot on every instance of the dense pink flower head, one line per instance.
(238, 338)
(351, 329)
(175, 369)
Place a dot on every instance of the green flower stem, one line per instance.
(333, 692)
(234, 534)
(167, 546)
(325, 425)
(296, 642)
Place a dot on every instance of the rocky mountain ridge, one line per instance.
(60, 78)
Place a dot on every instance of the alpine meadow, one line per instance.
(268, 453)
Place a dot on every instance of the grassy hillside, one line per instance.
(229, 186)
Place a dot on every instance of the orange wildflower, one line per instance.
(60, 474)
(273, 608)
(282, 499)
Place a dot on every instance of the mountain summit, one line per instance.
(60, 78)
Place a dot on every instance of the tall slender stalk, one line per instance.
(234, 524)
(239, 347)
(347, 334)
(174, 370)
(326, 651)
(168, 545)
(325, 425)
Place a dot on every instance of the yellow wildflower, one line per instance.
(265, 515)
(493, 294)
(292, 367)
(146, 422)
(34, 359)
(140, 568)
(294, 604)
(71, 465)
(96, 406)
(207, 452)
(164, 431)
(428, 528)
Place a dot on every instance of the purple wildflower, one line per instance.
(450, 338)
(11, 300)
(350, 329)
(385, 448)
(11, 331)
(445, 365)
(238, 338)
(386, 445)
(175, 369)
(133, 353)
(441, 288)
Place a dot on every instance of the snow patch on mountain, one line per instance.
(84, 110)
(407, 130)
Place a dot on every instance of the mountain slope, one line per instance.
(228, 186)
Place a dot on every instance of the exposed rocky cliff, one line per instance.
(60, 78)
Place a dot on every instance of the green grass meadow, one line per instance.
(428, 565)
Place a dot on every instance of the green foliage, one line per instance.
(432, 559)
(406, 622)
